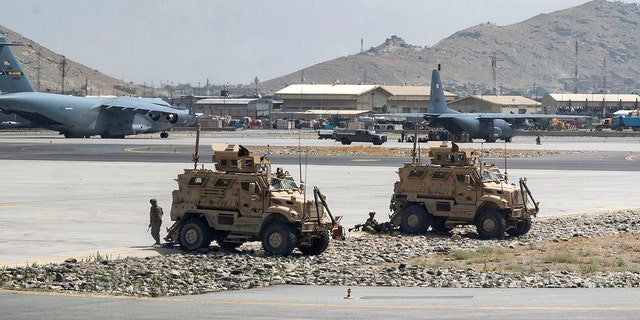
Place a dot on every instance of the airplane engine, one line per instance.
(154, 116)
(172, 118)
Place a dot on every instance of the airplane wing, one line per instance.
(407, 115)
(139, 105)
(508, 117)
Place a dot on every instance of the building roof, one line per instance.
(507, 100)
(336, 89)
(331, 112)
(594, 97)
(411, 91)
(227, 101)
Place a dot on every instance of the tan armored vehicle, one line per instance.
(243, 201)
(456, 189)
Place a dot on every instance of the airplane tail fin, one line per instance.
(437, 102)
(12, 77)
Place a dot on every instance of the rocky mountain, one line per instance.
(531, 57)
(536, 53)
(43, 67)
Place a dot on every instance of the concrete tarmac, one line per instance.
(53, 210)
(97, 204)
(332, 302)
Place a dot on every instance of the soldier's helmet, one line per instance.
(152, 201)
(372, 213)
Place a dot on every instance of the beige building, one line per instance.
(590, 104)
(497, 104)
(375, 98)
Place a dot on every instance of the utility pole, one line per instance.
(39, 67)
(494, 64)
(64, 67)
(575, 75)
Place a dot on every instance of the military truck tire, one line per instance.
(279, 239)
(194, 234)
(491, 224)
(345, 141)
(318, 245)
(415, 220)
(521, 228)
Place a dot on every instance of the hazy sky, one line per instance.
(235, 41)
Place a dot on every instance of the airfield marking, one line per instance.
(365, 160)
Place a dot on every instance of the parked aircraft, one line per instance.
(77, 117)
(487, 126)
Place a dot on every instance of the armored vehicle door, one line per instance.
(466, 192)
(251, 198)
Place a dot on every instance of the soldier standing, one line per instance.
(155, 220)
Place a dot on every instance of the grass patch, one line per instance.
(595, 254)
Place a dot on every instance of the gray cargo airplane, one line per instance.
(77, 117)
(487, 126)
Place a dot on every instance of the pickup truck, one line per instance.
(346, 137)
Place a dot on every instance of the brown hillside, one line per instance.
(536, 53)
(539, 51)
(78, 76)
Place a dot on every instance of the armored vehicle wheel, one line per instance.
(491, 224)
(194, 234)
(318, 245)
(415, 220)
(345, 141)
(279, 239)
(521, 228)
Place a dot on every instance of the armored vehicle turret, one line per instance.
(457, 189)
(242, 200)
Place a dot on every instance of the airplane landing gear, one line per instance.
(164, 135)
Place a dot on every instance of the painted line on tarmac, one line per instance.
(365, 160)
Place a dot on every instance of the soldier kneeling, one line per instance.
(372, 225)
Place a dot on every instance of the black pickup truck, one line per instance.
(348, 136)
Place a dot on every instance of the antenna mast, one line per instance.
(575, 75)
(195, 157)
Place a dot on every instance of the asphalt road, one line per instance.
(331, 302)
(65, 198)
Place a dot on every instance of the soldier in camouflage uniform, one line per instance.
(372, 225)
(155, 220)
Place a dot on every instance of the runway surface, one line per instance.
(64, 198)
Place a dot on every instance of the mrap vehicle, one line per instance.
(242, 200)
(456, 189)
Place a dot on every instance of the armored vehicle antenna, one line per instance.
(195, 157)
(415, 140)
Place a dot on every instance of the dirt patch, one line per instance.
(382, 151)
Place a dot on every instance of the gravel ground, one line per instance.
(360, 260)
